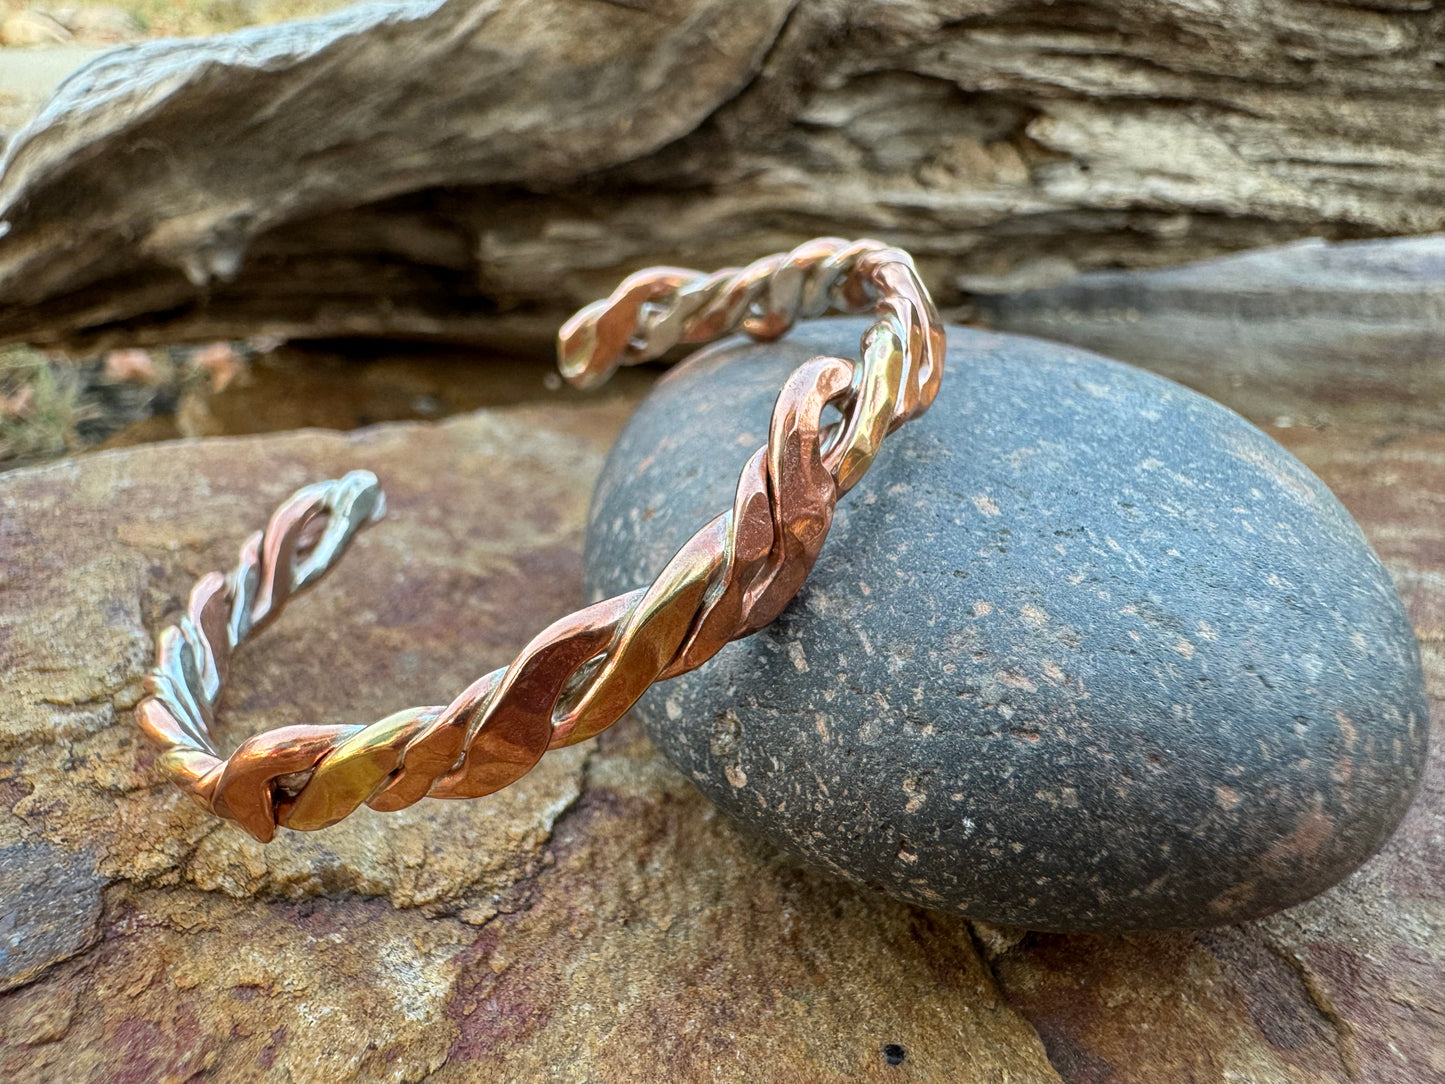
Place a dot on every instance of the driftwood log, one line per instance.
(473, 171)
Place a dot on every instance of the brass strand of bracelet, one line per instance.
(579, 675)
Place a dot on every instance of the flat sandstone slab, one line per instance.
(600, 921)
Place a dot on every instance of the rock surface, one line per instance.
(1085, 651)
(296, 179)
(147, 941)
(1303, 333)
(602, 921)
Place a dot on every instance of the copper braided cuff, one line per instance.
(579, 675)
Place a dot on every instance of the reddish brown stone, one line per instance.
(600, 921)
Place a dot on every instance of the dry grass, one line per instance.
(40, 406)
(185, 18)
(51, 407)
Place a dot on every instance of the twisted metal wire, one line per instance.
(579, 675)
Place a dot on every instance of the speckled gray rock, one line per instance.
(1084, 651)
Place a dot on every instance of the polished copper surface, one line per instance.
(579, 675)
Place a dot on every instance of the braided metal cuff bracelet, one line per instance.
(579, 675)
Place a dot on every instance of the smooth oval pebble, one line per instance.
(1085, 651)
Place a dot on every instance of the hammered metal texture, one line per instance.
(579, 675)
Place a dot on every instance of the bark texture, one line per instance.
(300, 179)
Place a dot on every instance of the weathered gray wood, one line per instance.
(471, 171)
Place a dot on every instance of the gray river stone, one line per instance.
(1084, 651)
